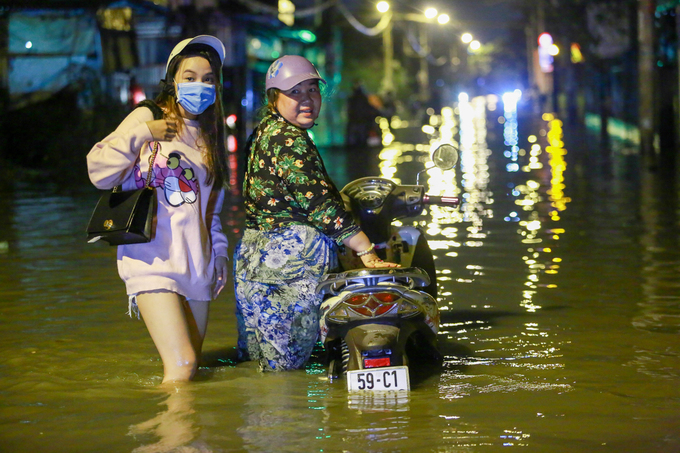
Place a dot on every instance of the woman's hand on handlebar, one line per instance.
(372, 260)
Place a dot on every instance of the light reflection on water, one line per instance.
(559, 323)
(535, 341)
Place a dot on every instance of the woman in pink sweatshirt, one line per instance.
(172, 279)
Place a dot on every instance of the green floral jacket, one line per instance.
(286, 183)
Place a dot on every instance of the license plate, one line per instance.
(388, 378)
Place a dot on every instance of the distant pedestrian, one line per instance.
(360, 117)
(172, 279)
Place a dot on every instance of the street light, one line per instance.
(423, 74)
(428, 17)
(383, 7)
(466, 38)
(388, 50)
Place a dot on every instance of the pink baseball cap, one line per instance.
(289, 70)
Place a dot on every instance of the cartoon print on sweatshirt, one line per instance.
(179, 184)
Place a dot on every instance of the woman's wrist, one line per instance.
(367, 251)
(370, 257)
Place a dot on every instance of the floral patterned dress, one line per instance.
(294, 218)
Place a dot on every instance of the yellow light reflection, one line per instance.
(474, 153)
(389, 154)
(433, 230)
(442, 245)
(455, 233)
(558, 165)
(531, 196)
(390, 157)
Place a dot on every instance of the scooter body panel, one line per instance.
(375, 322)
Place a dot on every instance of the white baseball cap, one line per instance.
(200, 39)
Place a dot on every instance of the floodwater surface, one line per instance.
(559, 282)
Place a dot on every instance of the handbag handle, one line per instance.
(156, 145)
(147, 183)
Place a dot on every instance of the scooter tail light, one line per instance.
(382, 309)
(357, 299)
(386, 297)
(371, 305)
(363, 311)
(377, 362)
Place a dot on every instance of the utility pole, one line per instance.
(4, 66)
(388, 49)
(646, 78)
(677, 105)
(424, 73)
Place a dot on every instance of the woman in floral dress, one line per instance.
(294, 218)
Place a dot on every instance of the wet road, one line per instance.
(560, 290)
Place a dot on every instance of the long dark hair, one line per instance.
(211, 121)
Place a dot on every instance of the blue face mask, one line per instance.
(195, 97)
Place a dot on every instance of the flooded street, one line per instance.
(559, 283)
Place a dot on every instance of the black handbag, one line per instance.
(125, 217)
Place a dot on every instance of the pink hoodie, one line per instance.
(188, 234)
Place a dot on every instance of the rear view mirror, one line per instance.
(445, 157)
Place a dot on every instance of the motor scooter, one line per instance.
(375, 322)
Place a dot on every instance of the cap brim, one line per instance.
(292, 81)
(207, 40)
(212, 42)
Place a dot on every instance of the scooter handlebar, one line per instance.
(441, 200)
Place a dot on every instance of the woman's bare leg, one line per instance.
(198, 315)
(177, 333)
